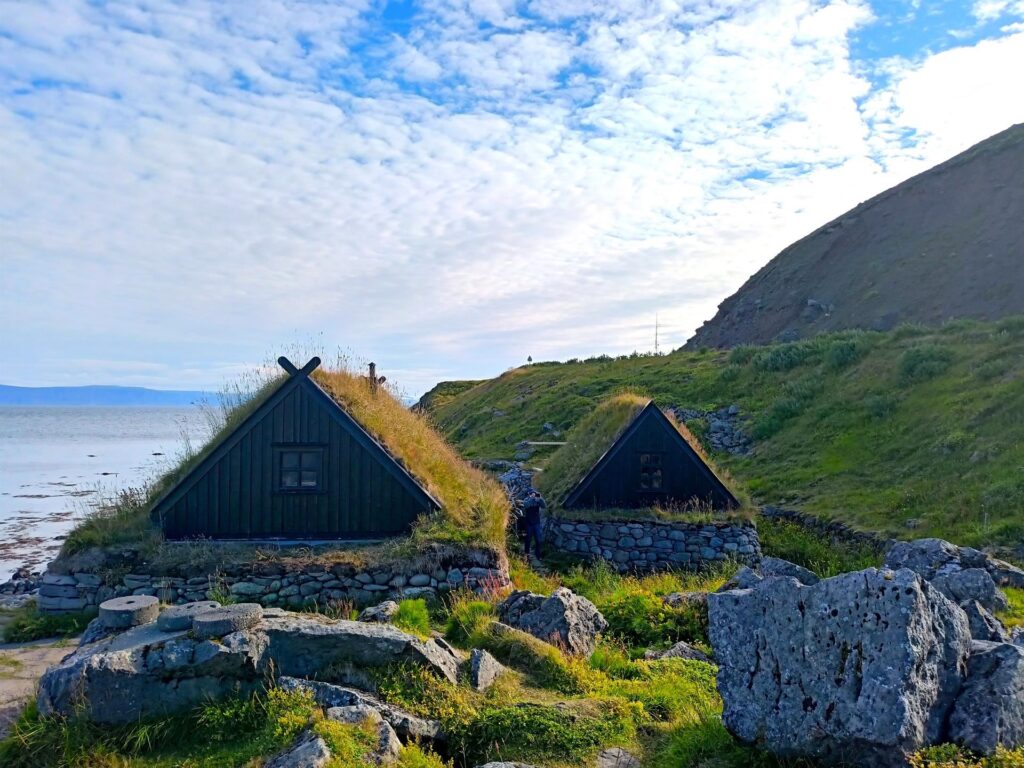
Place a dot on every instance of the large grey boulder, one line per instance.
(863, 666)
(971, 584)
(308, 751)
(935, 557)
(564, 619)
(927, 557)
(145, 672)
(990, 710)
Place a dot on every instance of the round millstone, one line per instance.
(226, 619)
(129, 611)
(179, 617)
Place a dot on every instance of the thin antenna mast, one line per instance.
(655, 333)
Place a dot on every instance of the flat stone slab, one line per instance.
(226, 619)
(179, 617)
(129, 611)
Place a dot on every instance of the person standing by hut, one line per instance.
(532, 507)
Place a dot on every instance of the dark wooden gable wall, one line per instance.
(615, 480)
(235, 493)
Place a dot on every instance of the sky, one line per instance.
(445, 186)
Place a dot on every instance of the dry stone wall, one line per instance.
(65, 590)
(649, 545)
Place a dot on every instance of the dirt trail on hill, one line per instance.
(948, 243)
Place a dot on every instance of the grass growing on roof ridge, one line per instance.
(586, 443)
(474, 507)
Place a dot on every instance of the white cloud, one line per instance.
(201, 183)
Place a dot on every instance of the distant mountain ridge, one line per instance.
(947, 243)
(100, 395)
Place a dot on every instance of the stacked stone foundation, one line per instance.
(649, 545)
(65, 590)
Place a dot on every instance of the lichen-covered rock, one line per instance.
(354, 714)
(381, 614)
(971, 584)
(308, 751)
(776, 568)
(935, 557)
(926, 557)
(484, 669)
(145, 672)
(863, 666)
(329, 696)
(564, 619)
(984, 626)
(681, 650)
(616, 757)
(388, 747)
(744, 578)
(989, 711)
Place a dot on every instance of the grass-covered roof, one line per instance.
(474, 509)
(587, 442)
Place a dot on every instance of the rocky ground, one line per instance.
(21, 666)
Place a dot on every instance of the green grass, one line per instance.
(413, 617)
(233, 732)
(1014, 615)
(916, 432)
(25, 624)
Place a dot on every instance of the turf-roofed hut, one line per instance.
(629, 454)
(298, 466)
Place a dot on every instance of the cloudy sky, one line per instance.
(445, 186)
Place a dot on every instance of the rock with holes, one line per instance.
(863, 666)
(564, 619)
(308, 751)
(990, 710)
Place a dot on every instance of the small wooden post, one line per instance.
(373, 377)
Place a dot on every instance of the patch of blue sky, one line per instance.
(914, 29)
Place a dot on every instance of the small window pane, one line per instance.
(289, 459)
(308, 479)
(289, 479)
(656, 479)
(310, 460)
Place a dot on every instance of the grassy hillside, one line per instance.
(911, 432)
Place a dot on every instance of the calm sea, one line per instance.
(56, 463)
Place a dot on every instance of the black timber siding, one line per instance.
(234, 493)
(615, 480)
